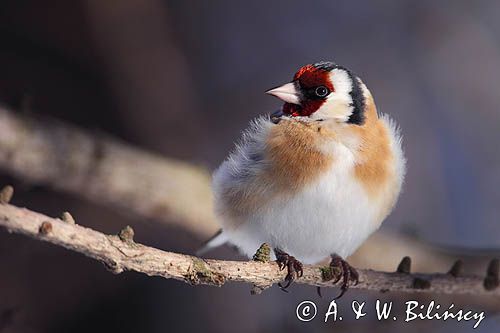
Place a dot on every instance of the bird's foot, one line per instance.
(293, 266)
(340, 269)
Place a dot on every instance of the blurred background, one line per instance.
(183, 78)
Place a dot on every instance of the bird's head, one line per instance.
(322, 91)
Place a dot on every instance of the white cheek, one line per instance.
(335, 107)
(338, 105)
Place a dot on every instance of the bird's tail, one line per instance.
(216, 240)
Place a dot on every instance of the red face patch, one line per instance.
(309, 78)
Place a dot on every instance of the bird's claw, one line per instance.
(348, 274)
(293, 266)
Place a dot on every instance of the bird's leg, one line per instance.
(347, 273)
(293, 266)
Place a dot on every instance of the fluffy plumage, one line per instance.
(316, 184)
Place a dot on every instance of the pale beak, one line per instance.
(287, 93)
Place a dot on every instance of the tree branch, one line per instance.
(120, 253)
(106, 171)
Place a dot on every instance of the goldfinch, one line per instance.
(314, 179)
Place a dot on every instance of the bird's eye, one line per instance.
(321, 91)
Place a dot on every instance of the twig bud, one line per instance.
(68, 218)
(45, 228)
(457, 269)
(491, 281)
(6, 194)
(404, 266)
(127, 234)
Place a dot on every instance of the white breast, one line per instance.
(331, 215)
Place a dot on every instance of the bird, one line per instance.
(314, 179)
